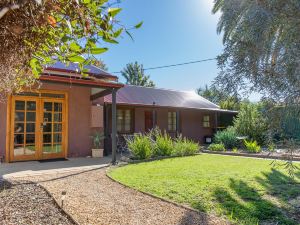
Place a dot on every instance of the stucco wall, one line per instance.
(2, 128)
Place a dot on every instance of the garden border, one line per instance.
(252, 155)
(160, 198)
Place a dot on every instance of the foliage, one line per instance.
(262, 49)
(134, 75)
(183, 147)
(163, 145)
(235, 150)
(228, 137)
(217, 147)
(98, 63)
(35, 33)
(97, 139)
(252, 146)
(236, 188)
(250, 122)
(140, 146)
(225, 101)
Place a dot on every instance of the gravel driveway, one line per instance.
(93, 198)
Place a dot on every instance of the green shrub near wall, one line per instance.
(228, 137)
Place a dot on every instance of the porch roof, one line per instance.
(146, 96)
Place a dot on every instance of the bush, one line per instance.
(163, 144)
(217, 147)
(250, 122)
(183, 146)
(140, 146)
(252, 146)
(228, 137)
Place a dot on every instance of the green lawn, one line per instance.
(245, 190)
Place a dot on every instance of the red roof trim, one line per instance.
(74, 72)
(80, 81)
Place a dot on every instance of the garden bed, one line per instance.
(28, 203)
(263, 154)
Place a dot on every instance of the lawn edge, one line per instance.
(160, 198)
(247, 155)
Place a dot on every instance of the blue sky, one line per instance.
(174, 31)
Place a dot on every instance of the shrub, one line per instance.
(216, 147)
(235, 150)
(252, 146)
(250, 122)
(163, 145)
(183, 146)
(228, 137)
(140, 146)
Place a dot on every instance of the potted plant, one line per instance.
(97, 151)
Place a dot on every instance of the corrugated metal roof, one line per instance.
(73, 67)
(136, 95)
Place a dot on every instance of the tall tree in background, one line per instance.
(38, 32)
(134, 75)
(225, 101)
(262, 47)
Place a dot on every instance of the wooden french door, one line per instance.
(149, 120)
(38, 126)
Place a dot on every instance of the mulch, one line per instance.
(27, 203)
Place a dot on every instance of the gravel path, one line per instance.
(92, 198)
(27, 203)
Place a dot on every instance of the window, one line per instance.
(124, 120)
(206, 121)
(172, 121)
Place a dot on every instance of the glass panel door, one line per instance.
(52, 123)
(24, 128)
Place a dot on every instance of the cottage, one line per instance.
(56, 118)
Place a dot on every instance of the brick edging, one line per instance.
(162, 199)
(249, 155)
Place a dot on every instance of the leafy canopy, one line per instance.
(219, 97)
(37, 32)
(134, 75)
(262, 47)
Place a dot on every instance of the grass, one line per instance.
(245, 190)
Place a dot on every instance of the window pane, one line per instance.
(20, 105)
(57, 148)
(19, 139)
(47, 148)
(47, 117)
(29, 150)
(19, 128)
(57, 138)
(30, 127)
(47, 106)
(57, 117)
(18, 150)
(31, 106)
(57, 127)
(30, 138)
(30, 116)
(57, 107)
(47, 138)
(19, 116)
(47, 127)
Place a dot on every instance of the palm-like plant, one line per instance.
(134, 75)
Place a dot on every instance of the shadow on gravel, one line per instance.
(245, 204)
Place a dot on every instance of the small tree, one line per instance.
(250, 122)
(134, 75)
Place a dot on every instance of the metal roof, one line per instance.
(145, 96)
(74, 68)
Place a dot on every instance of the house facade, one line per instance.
(56, 118)
(139, 109)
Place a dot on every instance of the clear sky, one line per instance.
(174, 31)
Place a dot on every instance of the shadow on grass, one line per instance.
(270, 205)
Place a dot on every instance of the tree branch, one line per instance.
(8, 8)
